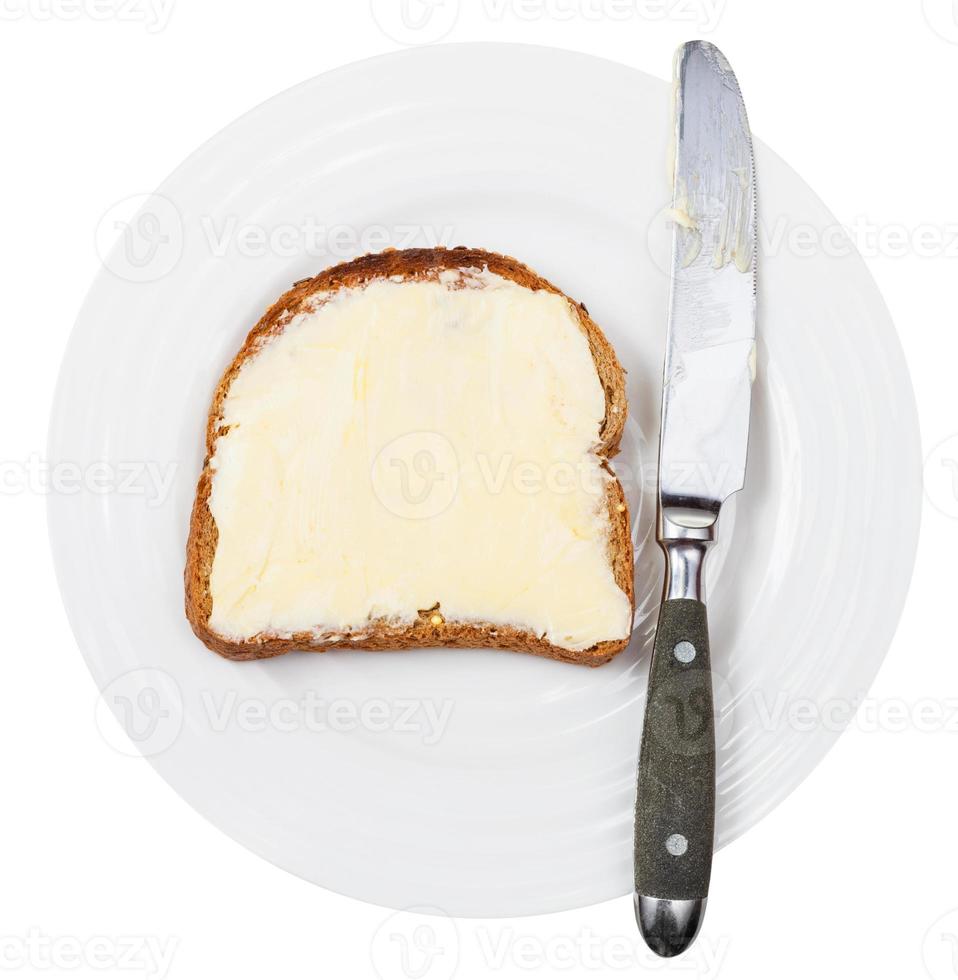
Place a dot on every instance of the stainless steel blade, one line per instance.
(710, 357)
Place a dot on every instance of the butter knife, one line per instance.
(706, 396)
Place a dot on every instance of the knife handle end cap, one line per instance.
(668, 925)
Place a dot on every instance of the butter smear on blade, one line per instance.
(411, 443)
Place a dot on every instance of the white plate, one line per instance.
(524, 804)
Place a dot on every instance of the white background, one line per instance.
(102, 865)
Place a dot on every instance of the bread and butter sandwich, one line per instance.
(411, 450)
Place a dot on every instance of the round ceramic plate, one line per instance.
(476, 782)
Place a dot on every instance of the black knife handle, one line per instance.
(675, 801)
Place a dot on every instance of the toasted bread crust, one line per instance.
(407, 264)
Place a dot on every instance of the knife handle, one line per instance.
(675, 800)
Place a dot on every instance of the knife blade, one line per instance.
(706, 398)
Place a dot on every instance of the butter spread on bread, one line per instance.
(411, 450)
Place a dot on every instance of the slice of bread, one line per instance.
(319, 550)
